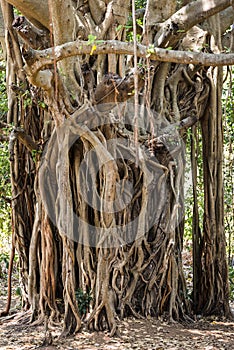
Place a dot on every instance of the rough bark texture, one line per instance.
(73, 230)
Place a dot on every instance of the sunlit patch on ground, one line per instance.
(134, 334)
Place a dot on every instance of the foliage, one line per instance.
(5, 187)
(4, 261)
(139, 4)
(5, 194)
(3, 94)
(228, 109)
(188, 184)
(83, 300)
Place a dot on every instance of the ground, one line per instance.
(210, 334)
(134, 334)
(206, 334)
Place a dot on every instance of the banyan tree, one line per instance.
(103, 97)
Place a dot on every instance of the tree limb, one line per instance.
(226, 18)
(19, 134)
(37, 60)
(36, 11)
(172, 30)
(62, 16)
(34, 37)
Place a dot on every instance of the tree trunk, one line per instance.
(98, 202)
(213, 288)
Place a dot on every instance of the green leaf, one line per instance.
(91, 39)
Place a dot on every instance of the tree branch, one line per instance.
(62, 16)
(226, 18)
(36, 11)
(25, 139)
(172, 30)
(34, 37)
(37, 60)
(18, 133)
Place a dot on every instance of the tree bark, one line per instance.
(99, 205)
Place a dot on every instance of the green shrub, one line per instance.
(83, 300)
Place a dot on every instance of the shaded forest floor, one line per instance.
(206, 334)
(134, 334)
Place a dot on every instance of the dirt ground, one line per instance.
(17, 334)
